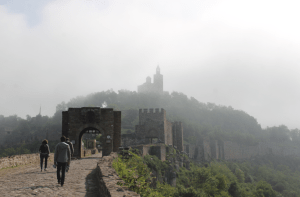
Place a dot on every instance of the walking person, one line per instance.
(71, 149)
(62, 157)
(71, 146)
(44, 153)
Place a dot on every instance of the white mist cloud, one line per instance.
(238, 53)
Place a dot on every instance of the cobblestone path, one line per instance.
(30, 181)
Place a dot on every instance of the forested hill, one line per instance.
(199, 119)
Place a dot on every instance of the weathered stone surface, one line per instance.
(18, 160)
(28, 180)
(154, 128)
(159, 150)
(108, 179)
(87, 177)
(77, 121)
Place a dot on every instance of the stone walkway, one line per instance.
(30, 181)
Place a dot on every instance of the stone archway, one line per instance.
(77, 121)
(88, 130)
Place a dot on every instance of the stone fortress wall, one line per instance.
(153, 124)
(206, 150)
(77, 121)
(154, 128)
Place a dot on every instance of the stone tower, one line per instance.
(154, 128)
(155, 87)
(158, 81)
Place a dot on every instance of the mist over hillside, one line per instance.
(199, 119)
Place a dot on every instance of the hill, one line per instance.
(199, 119)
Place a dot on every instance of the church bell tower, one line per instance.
(158, 81)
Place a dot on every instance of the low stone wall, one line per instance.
(108, 179)
(18, 160)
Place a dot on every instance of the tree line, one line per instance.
(199, 119)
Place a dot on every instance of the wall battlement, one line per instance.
(151, 110)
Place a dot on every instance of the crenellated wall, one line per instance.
(153, 114)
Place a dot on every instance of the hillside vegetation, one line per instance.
(268, 176)
(218, 179)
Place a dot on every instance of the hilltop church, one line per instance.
(155, 87)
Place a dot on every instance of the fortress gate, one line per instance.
(77, 121)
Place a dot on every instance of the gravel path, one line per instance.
(30, 181)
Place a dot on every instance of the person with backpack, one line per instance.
(71, 146)
(62, 158)
(44, 153)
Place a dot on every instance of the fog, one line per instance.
(243, 54)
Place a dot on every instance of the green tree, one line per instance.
(264, 189)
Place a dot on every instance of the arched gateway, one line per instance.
(77, 121)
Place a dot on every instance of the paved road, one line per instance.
(30, 181)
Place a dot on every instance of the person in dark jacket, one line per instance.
(44, 153)
(62, 157)
(71, 146)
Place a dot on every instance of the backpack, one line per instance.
(44, 149)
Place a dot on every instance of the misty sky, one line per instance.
(239, 53)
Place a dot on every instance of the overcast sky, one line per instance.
(243, 54)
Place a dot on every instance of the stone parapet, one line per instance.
(18, 160)
(108, 179)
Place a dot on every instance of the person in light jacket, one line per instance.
(44, 153)
(62, 157)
